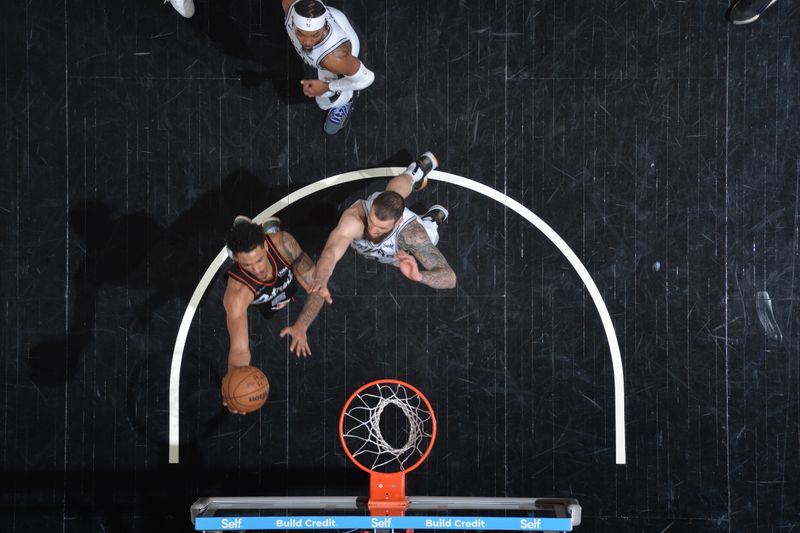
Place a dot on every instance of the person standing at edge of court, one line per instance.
(326, 40)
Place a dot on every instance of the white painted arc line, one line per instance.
(594, 292)
(524, 212)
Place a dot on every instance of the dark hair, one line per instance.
(244, 237)
(389, 205)
(310, 8)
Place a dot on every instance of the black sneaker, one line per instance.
(419, 169)
(436, 213)
(747, 11)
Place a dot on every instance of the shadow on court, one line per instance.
(137, 253)
(259, 36)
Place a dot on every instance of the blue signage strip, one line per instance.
(489, 523)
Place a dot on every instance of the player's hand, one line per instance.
(312, 88)
(320, 285)
(326, 294)
(299, 345)
(231, 409)
(408, 265)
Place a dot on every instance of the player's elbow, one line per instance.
(357, 81)
(451, 280)
(369, 78)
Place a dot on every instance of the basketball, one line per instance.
(245, 389)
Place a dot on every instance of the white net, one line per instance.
(387, 427)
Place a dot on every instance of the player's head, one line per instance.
(386, 213)
(245, 241)
(309, 22)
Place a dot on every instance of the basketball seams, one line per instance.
(252, 384)
(247, 383)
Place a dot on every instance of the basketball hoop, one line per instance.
(387, 429)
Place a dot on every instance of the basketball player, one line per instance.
(382, 228)
(325, 39)
(267, 263)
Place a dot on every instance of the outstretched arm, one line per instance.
(350, 227)
(286, 4)
(414, 240)
(303, 268)
(236, 301)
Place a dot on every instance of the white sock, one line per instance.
(415, 172)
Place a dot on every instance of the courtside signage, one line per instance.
(489, 523)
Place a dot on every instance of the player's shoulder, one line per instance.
(352, 221)
(235, 277)
(340, 59)
(286, 244)
(278, 237)
(413, 231)
(237, 293)
(355, 214)
(287, 4)
(343, 51)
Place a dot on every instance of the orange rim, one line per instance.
(380, 382)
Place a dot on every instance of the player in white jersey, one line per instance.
(381, 228)
(326, 40)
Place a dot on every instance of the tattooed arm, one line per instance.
(341, 60)
(414, 245)
(303, 268)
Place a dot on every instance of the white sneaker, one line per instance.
(419, 170)
(437, 213)
(271, 225)
(184, 7)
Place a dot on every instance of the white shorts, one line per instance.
(431, 228)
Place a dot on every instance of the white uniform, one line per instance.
(386, 250)
(339, 31)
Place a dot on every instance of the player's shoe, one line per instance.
(747, 11)
(436, 213)
(271, 225)
(184, 7)
(337, 118)
(419, 170)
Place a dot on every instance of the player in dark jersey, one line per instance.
(266, 267)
